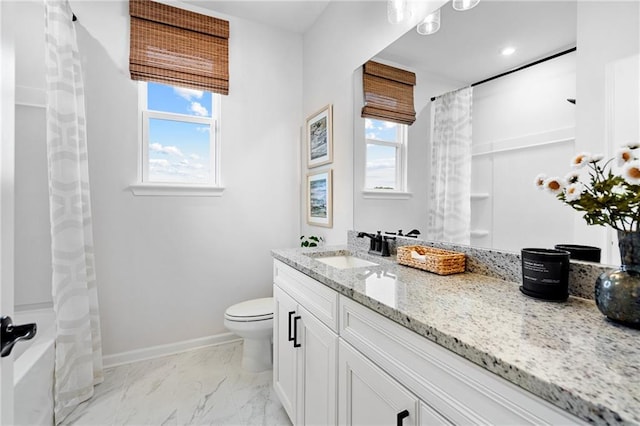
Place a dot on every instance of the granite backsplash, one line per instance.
(494, 263)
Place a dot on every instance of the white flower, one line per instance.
(539, 182)
(581, 160)
(596, 157)
(573, 192)
(572, 177)
(624, 155)
(631, 172)
(553, 185)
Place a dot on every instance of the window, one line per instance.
(388, 112)
(181, 58)
(386, 155)
(179, 147)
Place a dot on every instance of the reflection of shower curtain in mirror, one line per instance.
(450, 205)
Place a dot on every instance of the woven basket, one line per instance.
(441, 262)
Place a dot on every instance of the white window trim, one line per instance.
(401, 167)
(176, 190)
(142, 188)
(386, 194)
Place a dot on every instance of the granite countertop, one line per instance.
(567, 353)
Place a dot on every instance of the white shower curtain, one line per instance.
(450, 208)
(78, 361)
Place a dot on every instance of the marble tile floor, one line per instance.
(205, 386)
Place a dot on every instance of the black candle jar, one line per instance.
(545, 273)
(579, 252)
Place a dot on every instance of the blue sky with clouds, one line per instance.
(179, 151)
(381, 160)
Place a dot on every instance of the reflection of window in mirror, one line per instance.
(386, 155)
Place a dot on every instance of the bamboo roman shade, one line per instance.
(178, 47)
(388, 93)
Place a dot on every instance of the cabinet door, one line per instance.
(369, 396)
(284, 354)
(430, 417)
(318, 371)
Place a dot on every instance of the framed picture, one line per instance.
(320, 199)
(320, 137)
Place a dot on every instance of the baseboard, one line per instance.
(168, 349)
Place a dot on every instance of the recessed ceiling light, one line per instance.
(464, 4)
(507, 51)
(430, 24)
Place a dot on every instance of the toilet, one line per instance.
(253, 321)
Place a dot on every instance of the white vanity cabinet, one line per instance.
(356, 367)
(448, 388)
(369, 396)
(305, 344)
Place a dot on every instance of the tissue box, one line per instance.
(439, 261)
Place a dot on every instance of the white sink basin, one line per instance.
(345, 261)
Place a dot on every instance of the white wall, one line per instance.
(344, 37)
(32, 237)
(511, 115)
(608, 31)
(168, 267)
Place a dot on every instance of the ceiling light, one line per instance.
(430, 24)
(507, 51)
(464, 4)
(396, 11)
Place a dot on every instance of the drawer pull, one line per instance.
(290, 315)
(295, 332)
(401, 416)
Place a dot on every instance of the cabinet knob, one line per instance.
(401, 416)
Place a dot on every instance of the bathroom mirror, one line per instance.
(523, 123)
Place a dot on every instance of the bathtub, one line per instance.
(33, 370)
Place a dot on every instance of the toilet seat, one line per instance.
(251, 310)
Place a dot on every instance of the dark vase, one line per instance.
(618, 291)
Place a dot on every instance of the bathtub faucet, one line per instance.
(12, 334)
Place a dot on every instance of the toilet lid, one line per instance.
(251, 310)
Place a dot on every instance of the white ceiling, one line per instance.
(467, 46)
(291, 15)
(466, 49)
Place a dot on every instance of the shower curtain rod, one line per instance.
(520, 68)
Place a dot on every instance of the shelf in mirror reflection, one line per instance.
(479, 196)
(479, 233)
